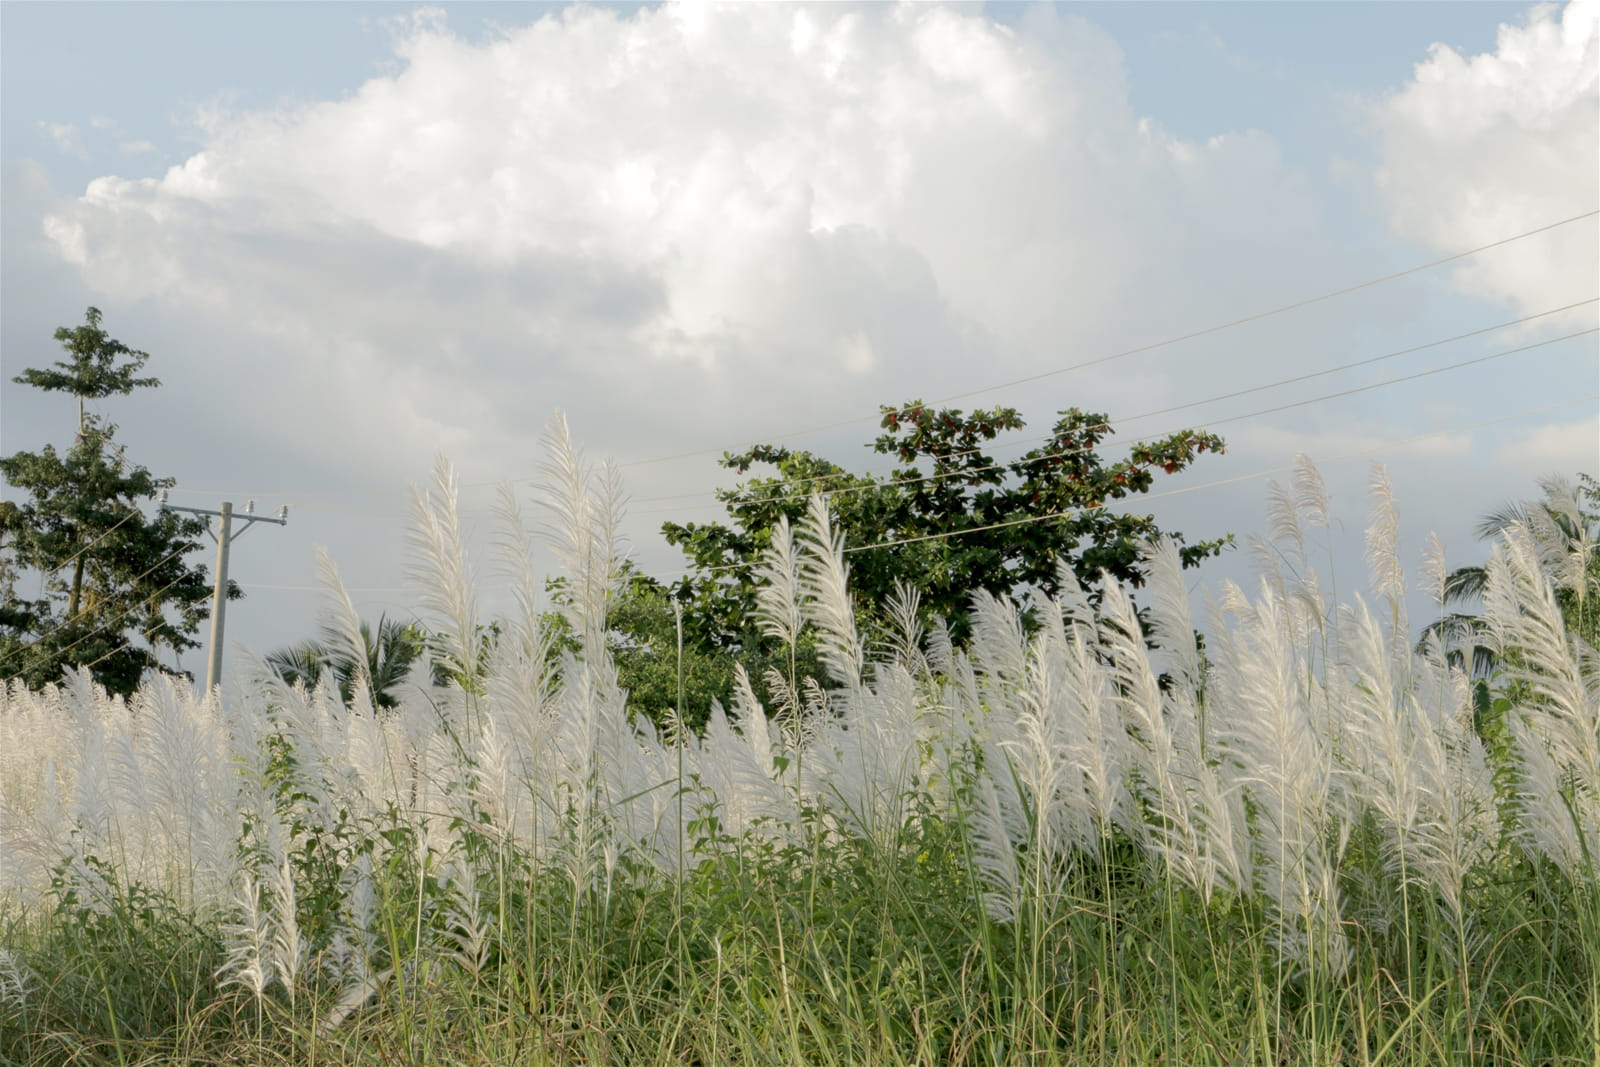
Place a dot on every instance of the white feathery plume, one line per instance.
(868, 757)
(1418, 764)
(440, 569)
(16, 982)
(744, 789)
(93, 803)
(249, 960)
(1097, 744)
(1071, 600)
(38, 753)
(128, 836)
(38, 760)
(1546, 826)
(514, 558)
(1283, 526)
(1310, 492)
(999, 647)
(779, 593)
(757, 731)
(341, 624)
(489, 778)
(185, 755)
(311, 727)
(1377, 744)
(1434, 573)
(611, 502)
(1035, 754)
(1217, 812)
(470, 930)
(1164, 761)
(1562, 713)
(288, 948)
(1170, 623)
(1523, 615)
(581, 531)
(1562, 536)
(994, 850)
(1265, 733)
(1468, 823)
(903, 609)
(1383, 554)
(786, 701)
(824, 578)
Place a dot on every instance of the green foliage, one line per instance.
(115, 588)
(112, 974)
(645, 650)
(946, 521)
(391, 647)
(643, 638)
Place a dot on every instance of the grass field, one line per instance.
(1055, 846)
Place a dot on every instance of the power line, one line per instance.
(315, 588)
(1231, 481)
(1197, 403)
(1218, 483)
(1163, 411)
(1207, 331)
(702, 494)
(124, 614)
(116, 618)
(1024, 520)
(130, 513)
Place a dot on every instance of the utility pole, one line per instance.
(219, 594)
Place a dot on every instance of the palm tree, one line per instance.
(392, 647)
(1565, 526)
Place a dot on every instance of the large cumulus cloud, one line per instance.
(1479, 147)
(724, 216)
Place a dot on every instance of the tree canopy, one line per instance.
(949, 519)
(115, 590)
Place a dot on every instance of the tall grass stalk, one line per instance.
(1054, 845)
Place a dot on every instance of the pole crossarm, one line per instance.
(281, 519)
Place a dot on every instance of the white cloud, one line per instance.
(1481, 147)
(721, 214)
(1350, 442)
(65, 136)
(137, 148)
(1559, 448)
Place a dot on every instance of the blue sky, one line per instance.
(356, 235)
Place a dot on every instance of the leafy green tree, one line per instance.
(115, 590)
(642, 635)
(948, 521)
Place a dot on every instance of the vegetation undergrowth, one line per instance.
(1050, 846)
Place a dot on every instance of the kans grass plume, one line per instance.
(1239, 775)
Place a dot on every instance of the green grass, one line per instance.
(1304, 858)
(844, 952)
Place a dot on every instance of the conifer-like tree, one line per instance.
(115, 590)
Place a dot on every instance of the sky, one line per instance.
(357, 237)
